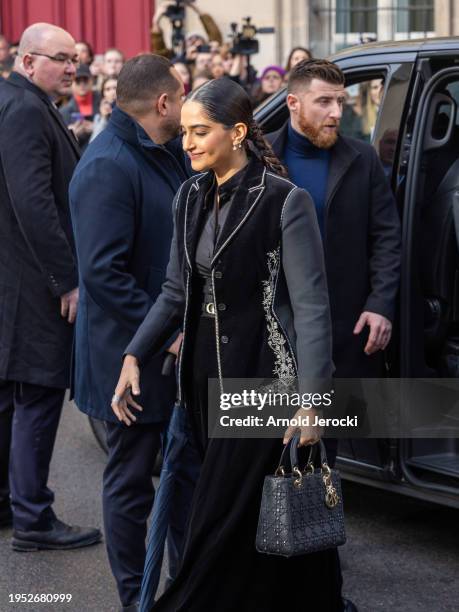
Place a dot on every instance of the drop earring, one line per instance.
(234, 146)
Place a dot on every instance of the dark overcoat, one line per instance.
(121, 200)
(362, 249)
(37, 265)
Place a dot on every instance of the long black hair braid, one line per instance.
(262, 146)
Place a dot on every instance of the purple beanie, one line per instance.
(275, 68)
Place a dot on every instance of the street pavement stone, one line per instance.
(401, 554)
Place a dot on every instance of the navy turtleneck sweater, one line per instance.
(308, 168)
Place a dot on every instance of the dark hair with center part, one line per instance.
(306, 70)
(226, 102)
(89, 49)
(105, 81)
(288, 65)
(143, 78)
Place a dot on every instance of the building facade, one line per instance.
(324, 26)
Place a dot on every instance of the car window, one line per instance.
(376, 101)
(361, 109)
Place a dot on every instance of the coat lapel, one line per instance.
(278, 140)
(342, 156)
(19, 81)
(243, 202)
(68, 133)
(194, 213)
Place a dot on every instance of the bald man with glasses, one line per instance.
(38, 284)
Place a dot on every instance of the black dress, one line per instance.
(221, 569)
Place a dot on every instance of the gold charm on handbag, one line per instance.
(331, 496)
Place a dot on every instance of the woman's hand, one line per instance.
(128, 384)
(309, 433)
(159, 14)
(175, 346)
(105, 108)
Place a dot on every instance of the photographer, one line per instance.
(235, 67)
(158, 45)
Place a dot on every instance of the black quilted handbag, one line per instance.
(301, 511)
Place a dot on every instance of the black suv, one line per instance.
(403, 97)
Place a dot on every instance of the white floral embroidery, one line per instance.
(284, 365)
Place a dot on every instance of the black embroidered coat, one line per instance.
(268, 279)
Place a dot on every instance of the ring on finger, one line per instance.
(116, 398)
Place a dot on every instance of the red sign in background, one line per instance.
(124, 24)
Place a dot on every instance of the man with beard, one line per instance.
(357, 217)
(356, 212)
(121, 202)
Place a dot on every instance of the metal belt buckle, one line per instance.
(210, 308)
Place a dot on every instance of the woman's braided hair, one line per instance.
(226, 102)
(264, 149)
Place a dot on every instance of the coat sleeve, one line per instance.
(384, 244)
(158, 46)
(166, 314)
(103, 207)
(26, 153)
(304, 269)
(212, 30)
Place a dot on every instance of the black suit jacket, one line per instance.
(37, 265)
(362, 248)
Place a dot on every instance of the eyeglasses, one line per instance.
(61, 59)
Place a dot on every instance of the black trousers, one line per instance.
(29, 417)
(128, 495)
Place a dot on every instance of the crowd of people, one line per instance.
(204, 57)
(144, 243)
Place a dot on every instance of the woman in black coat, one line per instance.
(246, 280)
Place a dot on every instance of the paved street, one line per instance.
(401, 554)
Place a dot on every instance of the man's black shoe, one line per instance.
(59, 537)
(132, 608)
(6, 517)
(349, 606)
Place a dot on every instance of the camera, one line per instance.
(204, 49)
(176, 12)
(244, 42)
